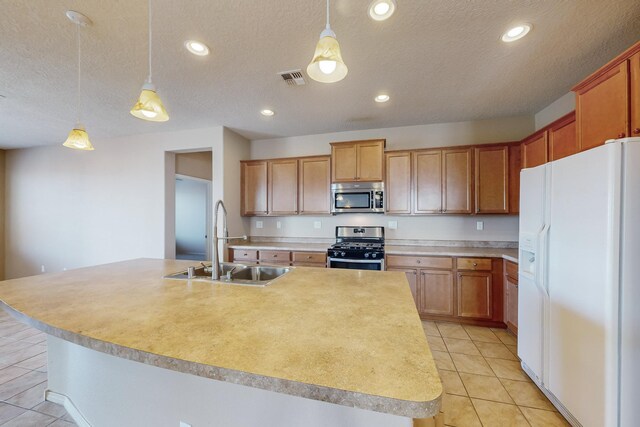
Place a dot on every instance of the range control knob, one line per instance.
(374, 255)
(335, 253)
(366, 254)
(342, 254)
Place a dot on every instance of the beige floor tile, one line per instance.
(452, 330)
(459, 412)
(499, 414)
(23, 354)
(505, 336)
(495, 350)
(30, 397)
(455, 345)
(13, 346)
(452, 383)
(513, 349)
(471, 364)
(8, 412)
(9, 328)
(52, 409)
(541, 418)
(61, 423)
(508, 369)
(436, 343)
(20, 384)
(34, 362)
(443, 360)
(526, 393)
(24, 334)
(36, 339)
(483, 387)
(430, 328)
(11, 372)
(478, 333)
(30, 418)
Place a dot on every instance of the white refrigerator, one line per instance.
(579, 283)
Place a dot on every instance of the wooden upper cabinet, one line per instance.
(563, 140)
(634, 86)
(427, 181)
(492, 179)
(398, 182)
(357, 161)
(283, 194)
(254, 188)
(515, 166)
(314, 182)
(534, 150)
(457, 181)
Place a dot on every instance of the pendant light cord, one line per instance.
(149, 78)
(328, 15)
(78, 93)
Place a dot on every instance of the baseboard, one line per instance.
(64, 400)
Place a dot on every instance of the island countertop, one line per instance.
(346, 337)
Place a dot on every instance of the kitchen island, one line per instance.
(315, 347)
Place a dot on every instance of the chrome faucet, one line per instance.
(215, 270)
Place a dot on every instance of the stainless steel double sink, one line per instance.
(235, 274)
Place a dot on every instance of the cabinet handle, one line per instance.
(636, 131)
(621, 135)
(244, 254)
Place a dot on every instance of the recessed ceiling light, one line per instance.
(516, 33)
(381, 98)
(197, 48)
(268, 113)
(382, 9)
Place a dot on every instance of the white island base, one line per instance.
(103, 390)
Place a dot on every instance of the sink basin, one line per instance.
(241, 274)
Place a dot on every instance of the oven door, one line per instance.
(356, 201)
(357, 264)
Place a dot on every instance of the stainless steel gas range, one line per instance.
(357, 248)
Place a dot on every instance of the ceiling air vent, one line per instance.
(293, 77)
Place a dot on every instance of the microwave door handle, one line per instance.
(372, 197)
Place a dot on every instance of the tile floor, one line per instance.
(484, 384)
(23, 378)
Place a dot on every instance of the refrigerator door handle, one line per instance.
(541, 260)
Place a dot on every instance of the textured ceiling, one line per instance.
(439, 60)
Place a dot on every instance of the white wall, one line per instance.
(69, 209)
(198, 165)
(496, 228)
(558, 108)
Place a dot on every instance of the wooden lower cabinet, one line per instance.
(511, 296)
(466, 290)
(279, 257)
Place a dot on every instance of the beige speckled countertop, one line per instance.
(347, 337)
(456, 251)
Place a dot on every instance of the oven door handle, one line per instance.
(358, 261)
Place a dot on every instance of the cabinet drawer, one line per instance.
(474, 264)
(310, 257)
(445, 263)
(511, 270)
(274, 256)
(242, 255)
(310, 264)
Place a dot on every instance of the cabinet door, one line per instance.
(427, 179)
(412, 277)
(370, 161)
(343, 162)
(398, 183)
(563, 141)
(474, 294)
(534, 151)
(283, 194)
(254, 188)
(512, 306)
(314, 186)
(492, 179)
(435, 292)
(456, 176)
(515, 166)
(634, 95)
(602, 108)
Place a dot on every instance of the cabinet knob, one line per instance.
(636, 131)
(475, 264)
(309, 257)
(275, 256)
(418, 261)
(621, 135)
(244, 254)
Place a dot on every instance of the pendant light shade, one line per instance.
(78, 138)
(149, 105)
(327, 65)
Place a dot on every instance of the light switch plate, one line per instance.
(480, 225)
(278, 224)
(393, 225)
(259, 224)
(317, 224)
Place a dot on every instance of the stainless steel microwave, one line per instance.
(357, 197)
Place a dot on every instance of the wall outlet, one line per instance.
(259, 224)
(317, 224)
(393, 225)
(480, 225)
(183, 424)
(278, 224)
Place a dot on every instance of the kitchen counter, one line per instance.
(347, 337)
(454, 251)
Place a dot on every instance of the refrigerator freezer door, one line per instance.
(581, 369)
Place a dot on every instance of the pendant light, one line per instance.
(149, 106)
(78, 138)
(327, 65)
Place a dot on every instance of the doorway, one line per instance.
(193, 201)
